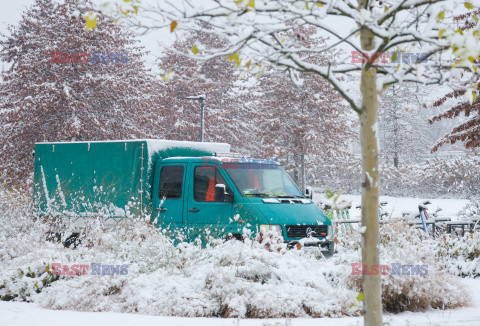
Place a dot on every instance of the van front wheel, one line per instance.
(238, 237)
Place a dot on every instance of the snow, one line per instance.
(19, 314)
(59, 189)
(185, 280)
(155, 145)
(45, 189)
(370, 179)
(188, 281)
(23, 314)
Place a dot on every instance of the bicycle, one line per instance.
(424, 216)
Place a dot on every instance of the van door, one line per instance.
(170, 196)
(204, 210)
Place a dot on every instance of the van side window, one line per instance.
(205, 179)
(171, 181)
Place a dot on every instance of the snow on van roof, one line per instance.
(93, 141)
(155, 145)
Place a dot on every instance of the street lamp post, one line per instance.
(200, 98)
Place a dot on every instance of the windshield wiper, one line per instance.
(289, 196)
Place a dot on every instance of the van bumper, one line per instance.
(327, 247)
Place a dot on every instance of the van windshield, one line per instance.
(262, 180)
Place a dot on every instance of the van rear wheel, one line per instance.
(73, 239)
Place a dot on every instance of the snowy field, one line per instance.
(23, 314)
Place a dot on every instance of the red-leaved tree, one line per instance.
(468, 130)
(185, 75)
(66, 83)
(300, 124)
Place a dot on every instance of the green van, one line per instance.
(192, 189)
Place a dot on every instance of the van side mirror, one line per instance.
(221, 194)
(309, 192)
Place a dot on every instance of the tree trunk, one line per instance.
(302, 142)
(368, 133)
(396, 136)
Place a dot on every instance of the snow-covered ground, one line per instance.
(20, 314)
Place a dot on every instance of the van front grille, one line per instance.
(304, 231)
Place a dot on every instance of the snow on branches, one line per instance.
(465, 100)
(257, 33)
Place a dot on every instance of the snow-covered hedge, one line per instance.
(232, 279)
(460, 255)
(471, 210)
(408, 290)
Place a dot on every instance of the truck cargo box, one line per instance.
(104, 178)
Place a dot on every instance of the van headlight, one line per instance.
(273, 229)
(330, 232)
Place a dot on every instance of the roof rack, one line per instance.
(234, 155)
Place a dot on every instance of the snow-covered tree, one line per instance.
(403, 128)
(468, 130)
(460, 103)
(297, 124)
(255, 30)
(461, 107)
(66, 82)
(226, 120)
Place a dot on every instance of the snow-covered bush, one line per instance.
(231, 279)
(437, 289)
(471, 210)
(22, 275)
(410, 250)
(460, 255)
(458, 176)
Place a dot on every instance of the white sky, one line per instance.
(11, 13)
